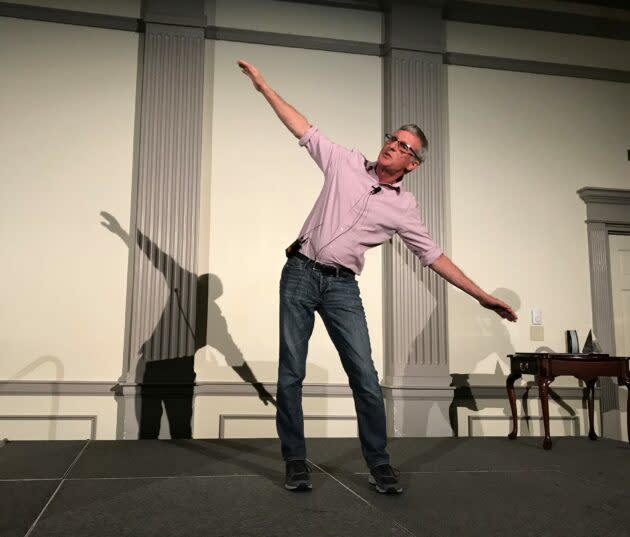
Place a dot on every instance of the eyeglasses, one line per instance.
(403, 146)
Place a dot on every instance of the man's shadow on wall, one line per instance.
(484, 336)
(166, 378)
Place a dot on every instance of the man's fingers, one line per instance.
(504, 311)
(247, 68)
(247, 72)
(510, 315)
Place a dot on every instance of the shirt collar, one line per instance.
(370, 166)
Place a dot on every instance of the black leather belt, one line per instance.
(331, 270)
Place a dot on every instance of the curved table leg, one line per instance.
(509, 384)
(626, 382)
(543, 388)
(590, 386)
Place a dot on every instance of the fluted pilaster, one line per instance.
(416, 374)
(415, 299)
(165, 239)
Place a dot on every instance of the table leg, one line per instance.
(512, 397)
(626, 382)
(543, 388)
(590, 386)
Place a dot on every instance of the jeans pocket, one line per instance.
(292, 266)
(294, 261)
(292, 275)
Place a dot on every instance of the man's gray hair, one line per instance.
(417, 132)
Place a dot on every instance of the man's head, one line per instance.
(404, 150)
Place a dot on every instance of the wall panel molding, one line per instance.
(224, 418)
(293, 41)
(536, 19)
(92, 419)
(574, 422)
(67, 16)
(239, 35)
(536, 67)
(113, 388)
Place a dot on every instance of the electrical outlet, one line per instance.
(537, 317)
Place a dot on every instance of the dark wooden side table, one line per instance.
(547, 366)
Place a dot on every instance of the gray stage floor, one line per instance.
(453, 486)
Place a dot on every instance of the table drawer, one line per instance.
(526, 366)
(586, 368)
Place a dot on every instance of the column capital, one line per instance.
(180, 13)
(416, 27)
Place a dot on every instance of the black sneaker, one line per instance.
(385, 478)
(298, 476)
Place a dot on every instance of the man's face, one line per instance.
(394, 158)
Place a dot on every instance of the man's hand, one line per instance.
(452, 274)
(253, 73)
(112, 224)
(292, 119)
(264, 395)
(499, 307)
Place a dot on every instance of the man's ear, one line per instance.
(412, 166)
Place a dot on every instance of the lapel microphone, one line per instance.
(375, 189)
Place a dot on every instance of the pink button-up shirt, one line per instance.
(351, 215)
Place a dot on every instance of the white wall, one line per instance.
(67, 143)
(521, 145)
(58, 417)
(67, 101)
(261, 186)
(299, 19)
(246, 417)
(76, 88)
(537, 45)
(258, 186)
(493, 418)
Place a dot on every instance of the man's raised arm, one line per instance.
(293, 120)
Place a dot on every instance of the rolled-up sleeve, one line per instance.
(323, 151)
(416, 237)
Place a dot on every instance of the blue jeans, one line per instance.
(303, 291)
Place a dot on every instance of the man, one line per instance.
(361, 205)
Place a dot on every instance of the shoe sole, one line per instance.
(302, 487)
(381, 490)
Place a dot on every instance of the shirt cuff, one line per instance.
(307, 136)
(430, 256)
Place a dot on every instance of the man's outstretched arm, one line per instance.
(452, 274)
(293, 120)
